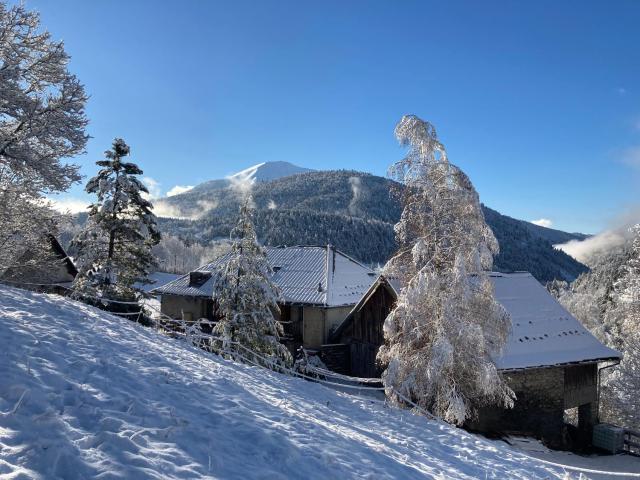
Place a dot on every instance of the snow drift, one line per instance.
(84, 394)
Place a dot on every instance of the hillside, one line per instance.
(79, 400)
(356, 212)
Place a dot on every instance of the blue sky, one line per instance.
(539, 101)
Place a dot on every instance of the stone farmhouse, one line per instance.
(550, 360)
(337, 306)
(320, 286)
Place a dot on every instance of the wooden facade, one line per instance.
(362, 332)
(305, 326)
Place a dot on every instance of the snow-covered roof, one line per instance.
(157, 279)
(543, 332)
(305, 274)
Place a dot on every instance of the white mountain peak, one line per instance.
(265, 171)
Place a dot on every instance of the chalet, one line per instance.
(50, 269)
(320, 286)
(550, 360)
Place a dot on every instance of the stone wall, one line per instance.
(538, 410)
(542, 396)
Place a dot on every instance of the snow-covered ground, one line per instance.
(87, 395)
(615, 465)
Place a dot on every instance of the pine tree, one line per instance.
(42, 122)
(114, 248)
(247, 299)
(446, 328)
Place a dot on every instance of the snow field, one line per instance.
(84, 394)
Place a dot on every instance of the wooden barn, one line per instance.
(550, 360)
(320, 286)
(50, 269)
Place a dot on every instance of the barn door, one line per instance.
(312, 328)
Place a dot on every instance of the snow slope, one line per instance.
(87, 395)
(266, 171)
(261, 172)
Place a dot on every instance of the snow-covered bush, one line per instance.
(307, 363)
(446, 328)
(247, 300)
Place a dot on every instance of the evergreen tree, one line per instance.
(247, 299)
(446, 328)
(114, 248)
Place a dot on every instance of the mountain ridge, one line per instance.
(261, 172)
(355, 211)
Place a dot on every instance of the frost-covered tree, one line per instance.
(622, 320)
(114, 248)
(622, 386)
(446, 328)
(623, 314)
(178, 255)
(42, 122)
(247, 299)
(586, 305)
(607, 302)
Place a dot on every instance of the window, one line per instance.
(197, 279)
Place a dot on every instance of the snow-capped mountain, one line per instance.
(351, 210)
(266, 171)
(262, 172)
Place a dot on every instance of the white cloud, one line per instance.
(543, 222)
(205, 206)
(584, 250)
(631, 156)
(614, 236)
(69, 205)
(155, 190)
(153, 186)
(163, 209)
(357, 194)
(178, 189)
(241, 183)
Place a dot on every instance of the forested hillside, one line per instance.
(356, 212)
(529, 249)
